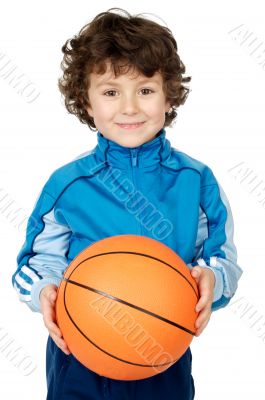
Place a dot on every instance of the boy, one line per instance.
(123, 78)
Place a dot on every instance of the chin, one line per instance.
(133, 143)
(137, 140)
(130, 143)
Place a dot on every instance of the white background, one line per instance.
(221, 124)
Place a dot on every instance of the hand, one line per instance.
(48, 297)
(205, 279)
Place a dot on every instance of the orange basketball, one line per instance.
(126, 307)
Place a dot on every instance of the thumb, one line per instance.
(196, 271)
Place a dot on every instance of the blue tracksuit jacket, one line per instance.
(152, 190)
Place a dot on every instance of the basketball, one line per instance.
(126, 307)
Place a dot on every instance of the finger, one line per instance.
(202, 327)
(53, 328)
(61, 344)
(52, 297)
(204, 284)
(206, 295)
(196, 272)
(51, 325)
(204, 316)
(203, 302)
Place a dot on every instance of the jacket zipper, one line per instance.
(134, 159)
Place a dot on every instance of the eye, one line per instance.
(148, 90)
(110, 91)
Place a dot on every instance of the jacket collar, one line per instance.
(153, 152)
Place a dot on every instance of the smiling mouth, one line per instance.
(131, 125)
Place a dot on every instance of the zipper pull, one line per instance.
(134, 157)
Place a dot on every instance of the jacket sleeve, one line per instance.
(215, 248)
(42, 259)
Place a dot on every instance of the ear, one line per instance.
(90, 111)
(167, 106)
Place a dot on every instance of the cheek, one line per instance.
(102, 111)
(156, 109)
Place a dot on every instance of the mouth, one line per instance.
(131, 125)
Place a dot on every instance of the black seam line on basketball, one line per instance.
(144, 255)
(130, 305)
(106, 352)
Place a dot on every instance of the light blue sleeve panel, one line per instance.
(42, 259)
(215, 248)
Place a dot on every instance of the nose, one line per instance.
(129, 105)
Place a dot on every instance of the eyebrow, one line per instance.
(114, 83)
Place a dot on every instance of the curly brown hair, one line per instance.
(130, 42)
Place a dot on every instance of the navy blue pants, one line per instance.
(68, 379)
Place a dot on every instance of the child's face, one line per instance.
(128, 110)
